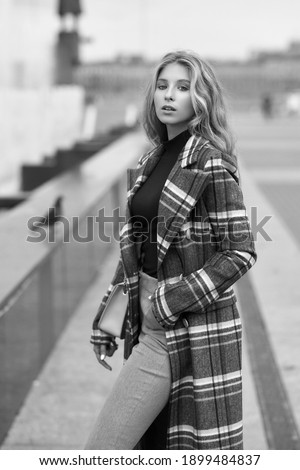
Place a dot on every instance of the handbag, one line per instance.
(112, 320)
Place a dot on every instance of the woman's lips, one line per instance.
(168, 108)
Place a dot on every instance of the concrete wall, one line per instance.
(36, 123)
(42, 281)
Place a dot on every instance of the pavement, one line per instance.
(70, 390)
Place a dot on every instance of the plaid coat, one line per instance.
(204, 246)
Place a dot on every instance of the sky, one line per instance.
(222, 29)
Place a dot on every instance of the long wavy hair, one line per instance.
(210, 119)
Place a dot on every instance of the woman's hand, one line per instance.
(103, 350)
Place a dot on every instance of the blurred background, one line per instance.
(72, 80)
(94, 58)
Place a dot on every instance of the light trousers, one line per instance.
(143, 387)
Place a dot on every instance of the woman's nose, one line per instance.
(169, 94)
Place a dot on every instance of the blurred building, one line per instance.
(28, 30)
(33, 119)
(290, 54)
(266, 72)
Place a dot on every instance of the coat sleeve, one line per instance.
(98, 336)
(235, 252)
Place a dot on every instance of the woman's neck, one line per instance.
(173, 131)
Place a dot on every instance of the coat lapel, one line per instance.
(136, 177)
(180, 194)
(181, 191)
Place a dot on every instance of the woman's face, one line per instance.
(172, 98)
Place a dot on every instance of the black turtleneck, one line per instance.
(144, 206)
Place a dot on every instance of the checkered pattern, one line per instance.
(204, 246)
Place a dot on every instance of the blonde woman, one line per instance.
(185, 243)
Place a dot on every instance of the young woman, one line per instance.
(185, 243)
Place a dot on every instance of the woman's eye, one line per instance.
(183, 88)
(161, 87)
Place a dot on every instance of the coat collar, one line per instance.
(181, 191)
(188, 155)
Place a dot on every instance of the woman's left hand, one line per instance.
(103, 350)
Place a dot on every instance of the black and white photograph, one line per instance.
(149, 232)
